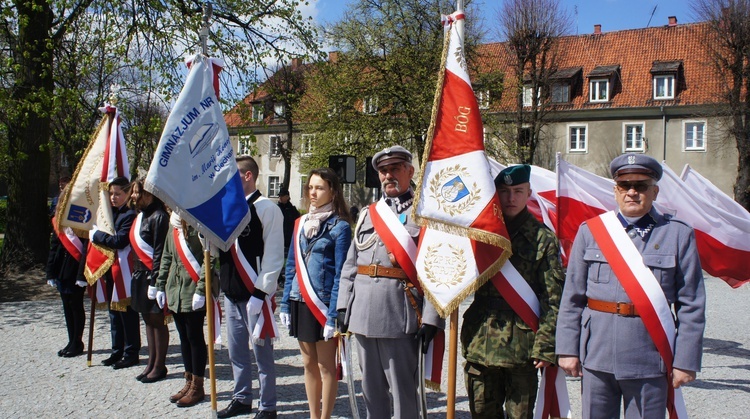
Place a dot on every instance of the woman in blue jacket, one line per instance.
(308, 308)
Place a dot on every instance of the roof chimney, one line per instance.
(597, 29)
(333, 56)
(672, 21)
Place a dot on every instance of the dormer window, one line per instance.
(560, 93)
(483, 98)
(562, 82)
(601, 80)
(665, 78)
(278, 110)
(258, 112)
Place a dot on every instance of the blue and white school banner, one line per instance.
(194, 169)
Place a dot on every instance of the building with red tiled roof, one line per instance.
(649, 90)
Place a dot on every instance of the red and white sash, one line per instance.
(314, 303)
(552, 398)
(193, 267)
(143, 250)
(401, 245)
(644, 291)
(266, 326)
(122, 275)
(69, 240)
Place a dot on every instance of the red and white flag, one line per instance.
(580, 195)
(85, 202)
(464, 240)
(721, 225)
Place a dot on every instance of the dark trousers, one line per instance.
(126, 333)
(192, 342)
(75, 316)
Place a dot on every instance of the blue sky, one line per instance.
(611, 14)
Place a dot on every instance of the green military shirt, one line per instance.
(492, 334)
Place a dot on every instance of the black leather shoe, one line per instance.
(74, 351)
(62, 351)
(235, 408)
(112, 360)
(125, 363)
(266, 414)
(154, 378)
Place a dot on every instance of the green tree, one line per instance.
(151, 37)
(729, 46)
(378, 89)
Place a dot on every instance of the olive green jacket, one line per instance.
(175, 280)
(492, 334)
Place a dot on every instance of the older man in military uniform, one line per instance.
(601, 335)
(377, 300)
(503, 354)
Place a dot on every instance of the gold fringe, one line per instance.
(101, 306)
(92, 277)
(62, 202)
(432, 385)
(433, 120)
(473, 233)
(453, 305)
(168, 319)
(121, 305)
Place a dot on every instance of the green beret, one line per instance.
(513, 175)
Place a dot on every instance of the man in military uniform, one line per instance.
(377, 301)
(503, 354)
(600, 333)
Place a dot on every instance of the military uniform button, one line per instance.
(631, 233)
(377, 261)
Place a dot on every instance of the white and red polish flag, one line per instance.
(580, 195)
(194, 169)
(464, 240)
(721, 225)
(85, 202)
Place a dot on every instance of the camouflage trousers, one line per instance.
(489, 388)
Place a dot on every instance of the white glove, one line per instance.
(198, 301)
(93, 231)
(51, 283)
(161, 298)
(328, 332)
(81, 283)
(151, 294)
(254, 306)
(285, 319)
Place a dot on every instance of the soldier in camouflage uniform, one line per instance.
(502, 353)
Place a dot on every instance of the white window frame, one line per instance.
(483, 98)
(243, 145)
(686, 131)
(306, 144)
(258, 112)
(370, 105)
(278, 110)
(595, 90)
(274, 186)
(527, 92)
(626, 126)
(670, 88)
(274, 151)
(563, 87)
(586, 136)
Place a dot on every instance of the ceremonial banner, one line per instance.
(85, 202)
(721, 225)
(194, 169)
(464, 240)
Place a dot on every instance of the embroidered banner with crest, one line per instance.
(464, 240)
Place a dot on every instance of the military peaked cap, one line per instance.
(635, 163)
(391, 155)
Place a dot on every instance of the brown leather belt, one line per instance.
(381, 271)
(623, 309)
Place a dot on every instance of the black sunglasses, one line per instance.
(639, 186)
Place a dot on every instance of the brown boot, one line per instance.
(194, 395)
(180, 394)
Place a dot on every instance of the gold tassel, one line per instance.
(121, 305)
(101, 306)
(432, 385)
(168, 319)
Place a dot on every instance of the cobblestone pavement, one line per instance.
(41, 385)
